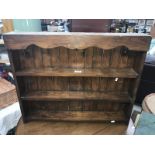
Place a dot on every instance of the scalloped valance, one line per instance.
(136, 42)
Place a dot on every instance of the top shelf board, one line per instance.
(75, 33)
(71, 40)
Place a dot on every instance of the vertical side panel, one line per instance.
(16, 60)
(22, 59)
(138, 67)
(17, 87)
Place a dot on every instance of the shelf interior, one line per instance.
(89, 84)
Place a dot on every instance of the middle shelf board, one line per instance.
(76, 95)
(77, 72)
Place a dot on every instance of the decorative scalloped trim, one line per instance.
(31, 45)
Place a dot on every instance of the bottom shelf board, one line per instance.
(70, 128)
(77, 116)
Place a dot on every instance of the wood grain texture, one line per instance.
(7, 25)
(76, 95)
(77, 76)
(77, 116)
(17, 88)
(75, 105)
(77, 40)
(70, 128)
(66, 72)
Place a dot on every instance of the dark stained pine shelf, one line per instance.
(66, 72)
(76, 116)
(76, 95)
(76, 76)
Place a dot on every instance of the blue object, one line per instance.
(146, 124)
(27, 25)
(152, 44)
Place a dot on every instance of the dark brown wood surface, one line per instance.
(66, 72)
(70, 128)
(77, 116)
(76, 76)
(74, 95)
(77, 40)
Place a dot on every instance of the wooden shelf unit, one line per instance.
(76, 76)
